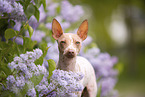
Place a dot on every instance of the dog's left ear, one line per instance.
(83, 30)
(56, 29)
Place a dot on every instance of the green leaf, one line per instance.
(99, 91)
(52, 67)
(36, 79)
(37, 13)
(58, 9)
(44, 4)
(37, 93)
(7, 94)
(44, 48)
(10, 33)
(24, 91)
(30, 30)
(39, 61)
(5, 69)
(28, 43)
(12, 23)
(30, 11)
(27, 2)
(38, 3)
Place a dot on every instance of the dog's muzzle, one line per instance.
(70, 54)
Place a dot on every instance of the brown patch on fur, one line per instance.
(85, 93)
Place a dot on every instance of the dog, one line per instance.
(69, 45)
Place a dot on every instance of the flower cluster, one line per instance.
(68, 11)
(66, 16)
(24, 69)
(62, 84)
(15, 10)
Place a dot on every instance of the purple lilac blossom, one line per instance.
(25, 67)
(43, 15)
(62, 83)
(5, 6)
(19, 40)
(68, 11)
(52, 52)
(31, 92)
(107, 85)
(64, 25)
(16, 9)
(17, 26)
(37, 35)
(18, 13)
(33, 22)
(52, 9)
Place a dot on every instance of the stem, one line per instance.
(4, 17)
(48, 93)
(20, 30)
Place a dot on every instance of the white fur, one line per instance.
(70, 47)
(79, 64)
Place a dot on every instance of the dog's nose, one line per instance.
(71, 52)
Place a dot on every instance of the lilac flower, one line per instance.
(18, 12)
(25, 69)
(87, 41)
(62, 84)
(16, 9)
(38, 53)
(42, 69)
(42, 14)
(11, 79)
(31, 92)
(64, 25)
(52, 9)
(107, 85)
(20, 82)
(33, 22)
(37, 35)
(52, 52)
(68, 11)
(5, 6)
(17, 26)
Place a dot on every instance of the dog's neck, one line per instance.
(66, 64)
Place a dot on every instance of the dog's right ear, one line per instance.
(56, 29)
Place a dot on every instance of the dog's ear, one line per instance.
(56, 29)
(83, 30)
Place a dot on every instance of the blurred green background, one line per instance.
(118, 27)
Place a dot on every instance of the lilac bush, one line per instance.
(61, 83)
(24, 69)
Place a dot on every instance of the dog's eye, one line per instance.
(77, 42)
(62, 42)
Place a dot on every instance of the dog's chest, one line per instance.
(83, 66)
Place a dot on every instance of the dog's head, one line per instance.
(69, 44)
